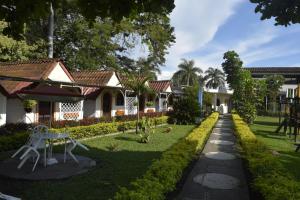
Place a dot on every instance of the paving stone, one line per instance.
(217, 181)
(220, 155)
(221, 142)
(222, 134)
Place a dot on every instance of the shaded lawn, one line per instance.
(264, 128)
(114, 169)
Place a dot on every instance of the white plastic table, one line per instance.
(50, 137)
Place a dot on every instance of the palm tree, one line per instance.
(215, 78)
(137, 83)
(187, 73)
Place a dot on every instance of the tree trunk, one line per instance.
(50, 32)
(138, 113)
(188, 80)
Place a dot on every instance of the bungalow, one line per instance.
(32, 78)
(62, 95)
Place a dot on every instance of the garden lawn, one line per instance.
(264, 128)
(114, 169)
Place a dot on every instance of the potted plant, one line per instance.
(28, 105)
(149, 103)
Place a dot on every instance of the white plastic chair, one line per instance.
(71, 146)
(34, 143)
(8, 197)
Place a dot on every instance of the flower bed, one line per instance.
(269, 177)
(16, 140)
(165, 172)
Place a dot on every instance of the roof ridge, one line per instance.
(36, 61)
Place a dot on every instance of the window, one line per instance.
(290, 93)
(120, 99)
(218, 102)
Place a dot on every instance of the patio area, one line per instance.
(61, 170)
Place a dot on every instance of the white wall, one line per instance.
(223, 104)
(16, 113)
(58, 74)
(3, 102)
(114, 81)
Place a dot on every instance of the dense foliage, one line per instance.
(269, 176)
(19, 13)
(248, 93)
(285, 12)
(164, 173)
(11, 49)
(186, 109)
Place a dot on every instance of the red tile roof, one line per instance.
(160, 86)
(32, 69)
(95, 78)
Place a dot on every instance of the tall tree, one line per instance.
(19, 13)
(137, 83)
(274, 83)
(187, 73)
(285, 12)
(105, 43)
(215, 78)
(231, 66)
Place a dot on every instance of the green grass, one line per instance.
(264, 128)
(114, 169)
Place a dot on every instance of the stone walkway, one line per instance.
(218, 174)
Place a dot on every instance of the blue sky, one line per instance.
(205, 29)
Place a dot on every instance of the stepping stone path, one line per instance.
(218, 173)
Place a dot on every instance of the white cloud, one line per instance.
(196, 23)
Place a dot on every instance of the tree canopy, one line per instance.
(285, 12)
(18, 13)
(231, 67)
(187, 73)
(215, 78)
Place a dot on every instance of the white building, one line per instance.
(61, 95)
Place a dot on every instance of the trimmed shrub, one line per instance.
(164, 173)
(269, 176)
(9, 142)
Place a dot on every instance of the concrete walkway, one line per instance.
(218, 174)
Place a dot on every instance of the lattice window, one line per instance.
(130, 105)
(71, 110)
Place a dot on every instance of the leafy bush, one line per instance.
(10, 142)
(269, 176)
(164, 173)
(186, 109)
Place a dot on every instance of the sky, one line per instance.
(206, 29)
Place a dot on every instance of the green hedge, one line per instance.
(165, 172)
(269, 177)
(16, 140)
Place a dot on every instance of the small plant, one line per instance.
(113, 147)
(168, 130)
(29, 105)
(145, 138)
(145, 125)
(149, 103)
